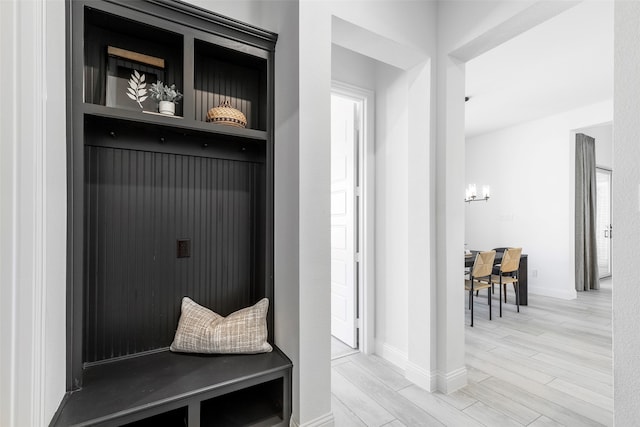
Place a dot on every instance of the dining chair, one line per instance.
(496, 267)
(480, 278)
(508, 273)
(499, 252)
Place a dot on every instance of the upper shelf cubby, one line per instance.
(210, 62)
(116, 47)
(222, 74)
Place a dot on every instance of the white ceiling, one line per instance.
(560, 65)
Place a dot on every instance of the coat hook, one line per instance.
(112, 134)
(162, 140)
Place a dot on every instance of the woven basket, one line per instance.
(225, 114)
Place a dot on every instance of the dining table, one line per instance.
(522, 271)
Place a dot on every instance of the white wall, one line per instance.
(403, 90)
(54, 176)
(315, 207)
(401, 77)
(392, 198)
(32, 212)
(377, 21)
(390, 85)
(401, 272)
(353, 68)
(530, 168)
(626, 214)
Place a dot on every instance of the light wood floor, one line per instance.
(549, 365)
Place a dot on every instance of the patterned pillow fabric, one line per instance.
(200, 330)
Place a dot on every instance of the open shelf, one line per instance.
(174, 122)
(115, 46)
(252, 406)
(223, 74)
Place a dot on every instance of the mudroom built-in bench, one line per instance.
(165, 204)
(169, 389)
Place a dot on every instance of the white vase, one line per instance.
(167, 107)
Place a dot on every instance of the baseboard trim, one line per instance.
(326, 420)
(392, 355)
(421, 377)
(56, 415)
(566, 294)
(449, 382)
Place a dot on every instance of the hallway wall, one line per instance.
(626, 217)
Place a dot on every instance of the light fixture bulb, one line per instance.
(486, 191)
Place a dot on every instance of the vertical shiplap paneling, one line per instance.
(217, 81)
(138, 204)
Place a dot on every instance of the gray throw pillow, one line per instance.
(200, 330)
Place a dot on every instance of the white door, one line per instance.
(343, 226)
(603, 221)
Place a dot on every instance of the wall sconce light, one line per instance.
(471, 194)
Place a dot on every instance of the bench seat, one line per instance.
(183, 389)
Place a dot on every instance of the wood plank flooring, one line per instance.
(549, 365)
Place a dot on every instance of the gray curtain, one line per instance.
(586, 252)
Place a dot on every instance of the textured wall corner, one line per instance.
(626, 213)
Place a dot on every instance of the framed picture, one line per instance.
(129, 76)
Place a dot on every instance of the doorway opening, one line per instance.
(351, 212)
(603, 221)
(603, 233)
